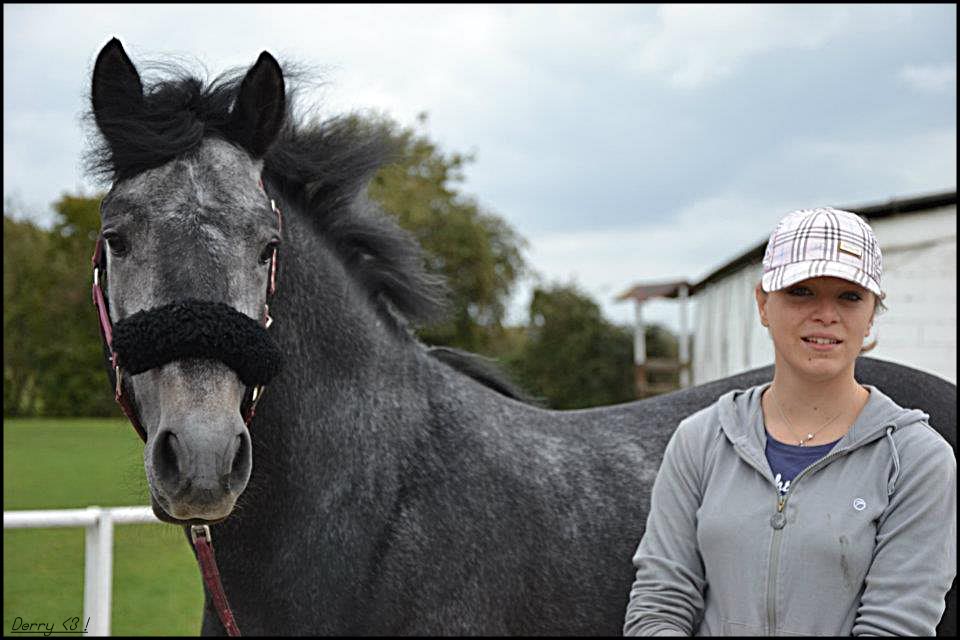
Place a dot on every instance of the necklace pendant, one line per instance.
(801, 443)
(809, 436)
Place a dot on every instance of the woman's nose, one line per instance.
(826, 311)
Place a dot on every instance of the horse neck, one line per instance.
(353, 389)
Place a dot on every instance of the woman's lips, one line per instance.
(816, 346)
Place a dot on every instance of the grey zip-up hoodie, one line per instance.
(864, 543)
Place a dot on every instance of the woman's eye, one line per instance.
(116, 243)
(267, 253)
(853, 295)
(798, 291)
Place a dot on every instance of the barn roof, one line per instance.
(892, 207)
(643, 292)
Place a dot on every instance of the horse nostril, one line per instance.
(240, 466)
(168, 457)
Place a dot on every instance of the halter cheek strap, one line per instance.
(252, 397)
(106, 332)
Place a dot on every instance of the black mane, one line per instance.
(483, 371)
(322, 168)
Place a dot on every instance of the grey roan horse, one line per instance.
(383, 486)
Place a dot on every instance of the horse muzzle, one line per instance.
(198, 457)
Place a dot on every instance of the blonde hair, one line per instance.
(878, 308)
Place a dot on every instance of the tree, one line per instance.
(26, 280)
(53, 358)
(573, 357)
(73, 366)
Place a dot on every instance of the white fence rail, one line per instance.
(98, 559)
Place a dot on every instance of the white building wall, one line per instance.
(727, 336)
(919, 329)
(920, 277)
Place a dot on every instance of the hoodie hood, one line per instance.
(741, 419)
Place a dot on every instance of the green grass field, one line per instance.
(75, 463)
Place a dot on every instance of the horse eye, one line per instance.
(118, 246)
(267, 253)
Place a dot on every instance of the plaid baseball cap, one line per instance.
(810, 243)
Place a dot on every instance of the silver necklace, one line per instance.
(810, 435)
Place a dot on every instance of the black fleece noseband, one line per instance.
(197, 329)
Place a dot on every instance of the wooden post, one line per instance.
(639, 336)
(683, 339)
(639, 351)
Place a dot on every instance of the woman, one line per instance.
(812, 505)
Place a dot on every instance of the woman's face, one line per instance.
(818, 325)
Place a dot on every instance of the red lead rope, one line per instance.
(211, 577)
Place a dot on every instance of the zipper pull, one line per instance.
(778, 520)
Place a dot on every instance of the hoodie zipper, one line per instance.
(775, 542)
(774, 567)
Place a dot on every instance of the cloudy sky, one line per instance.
(625, 143)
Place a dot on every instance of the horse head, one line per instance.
(190, 252)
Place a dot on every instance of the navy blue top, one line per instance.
(787, 460)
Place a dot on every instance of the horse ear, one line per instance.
(117, 91)
(261, 106)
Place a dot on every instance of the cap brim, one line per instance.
(781, 277)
